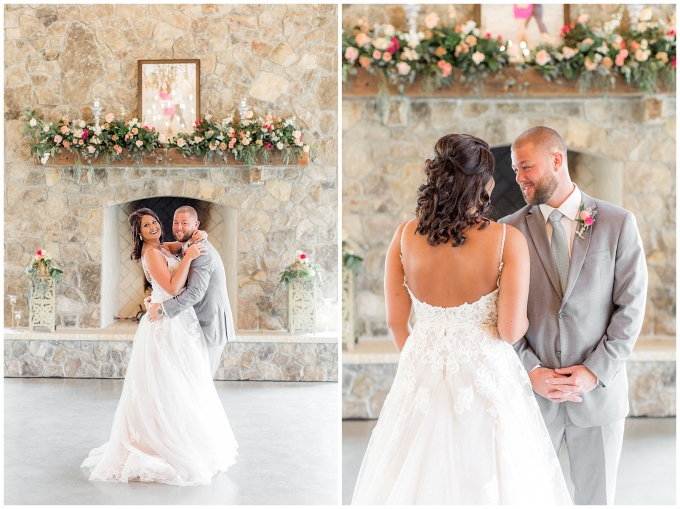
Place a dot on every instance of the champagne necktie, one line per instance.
(559, 248)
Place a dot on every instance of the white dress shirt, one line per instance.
(569, 209)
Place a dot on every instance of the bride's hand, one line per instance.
(196, 250)
(199, 236)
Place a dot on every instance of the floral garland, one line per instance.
(592, 54)
(439, 50)
(433, 53)
(42, 263)
(301, 268)
(215, 141)
(246, 140)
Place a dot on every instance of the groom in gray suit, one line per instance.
(206, 291)
(587, 299)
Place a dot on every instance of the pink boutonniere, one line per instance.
(585, 219)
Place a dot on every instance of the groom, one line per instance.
(586, 304)
(206, 291)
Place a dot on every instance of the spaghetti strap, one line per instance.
(401, 250)
(500, 266)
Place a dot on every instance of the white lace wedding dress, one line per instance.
(460, 424)
(170, 426)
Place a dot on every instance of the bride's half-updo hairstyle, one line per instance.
(135, 221)
(454, 196)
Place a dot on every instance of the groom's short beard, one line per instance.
(543, 190)
(185, 237)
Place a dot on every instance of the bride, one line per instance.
(461, 424)
(170, 426)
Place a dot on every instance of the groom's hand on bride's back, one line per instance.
(538, 379)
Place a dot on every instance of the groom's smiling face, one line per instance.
(532, 170)
(184, 225)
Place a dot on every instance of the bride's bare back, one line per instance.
(447, 276)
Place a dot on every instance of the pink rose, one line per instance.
(109, 118)
(621, 57)
(568, 52)
(589, 221)
(39, 252)
(377, 55)
(208, 117)
(478, 57)
(57, 139)
(583, 18)
(139, 143)
(542, 57)
(590, 65)
(118, 149)
(303, 256)
(181, 142)
(351, 54)
(91, 149)
(584, 215)
(387, 56)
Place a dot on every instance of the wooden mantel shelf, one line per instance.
(168, 158)
(509, 82)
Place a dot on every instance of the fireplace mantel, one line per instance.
(169, 158)
(507, 83)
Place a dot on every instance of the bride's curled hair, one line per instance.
(454, 196)
(135, 222)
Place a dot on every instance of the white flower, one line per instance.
(542, 57)
(245, 141)
(208, 117)
(305, 148)
(279, 145)
(568, 52)
(513, 51)
(82, 124)
(432, 20)
(583, 18)
(403, 68)
(161, 138)
(198, 139)
(381, 43)
(409, 54)
(604, 49)
(297, 134)
(91, 149)
(644, 43)
(109, 118)
(646, 14)
(44, 158)
(642, 55)
(389, 31)
(33, 122)
(468, 27)
(46, 129)
(478, 57)
(139, 143)
(258, 142)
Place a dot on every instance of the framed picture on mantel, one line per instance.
(532, 24)
(169, 95)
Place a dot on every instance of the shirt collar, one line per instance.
(569, 208)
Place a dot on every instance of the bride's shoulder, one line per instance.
(152, 253)
(515, 242)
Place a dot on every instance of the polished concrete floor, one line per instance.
(646, 472)
(287, 434)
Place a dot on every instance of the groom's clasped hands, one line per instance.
(563, 384)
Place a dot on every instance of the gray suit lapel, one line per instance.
(579, 250)
(539, 236)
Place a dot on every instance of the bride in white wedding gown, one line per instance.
(170, 426)
(461, 424)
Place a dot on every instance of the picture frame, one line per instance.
(169, 95)
(544, 26)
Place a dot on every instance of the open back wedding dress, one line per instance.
(460, 424)
(170, 426)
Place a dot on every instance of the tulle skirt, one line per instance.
(460, 426)
(170, 426)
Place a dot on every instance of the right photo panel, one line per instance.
(509, 254)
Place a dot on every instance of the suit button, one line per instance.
(558, 353)
(562, 315)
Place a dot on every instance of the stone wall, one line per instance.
(281, 58)
(382, 169)
(290, 362)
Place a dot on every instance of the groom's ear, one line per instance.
(198, 224)
(557, 159)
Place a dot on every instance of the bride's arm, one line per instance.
(514, 292)
(157, 265)
(397, 299)
(176, 247)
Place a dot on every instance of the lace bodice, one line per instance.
(157, 292)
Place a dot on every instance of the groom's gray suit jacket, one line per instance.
(599, 318)
(206, 291)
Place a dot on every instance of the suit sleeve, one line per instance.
(629, 299)
(197, 284)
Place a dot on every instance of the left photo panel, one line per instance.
(171, 309)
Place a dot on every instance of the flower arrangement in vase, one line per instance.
(43, 265)
(301, 268)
